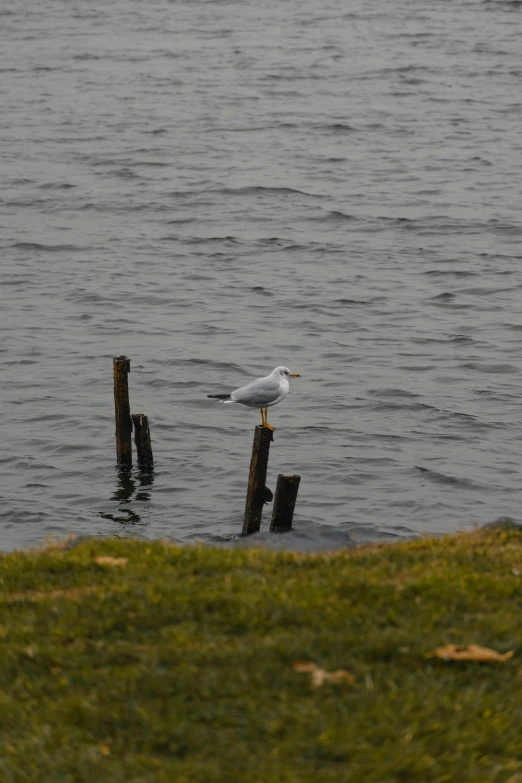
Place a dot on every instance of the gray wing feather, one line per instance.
(258, 393)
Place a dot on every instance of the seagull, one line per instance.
(262, 393)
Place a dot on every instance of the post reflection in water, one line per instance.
(131, 488)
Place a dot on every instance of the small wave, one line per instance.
(180, 222)
(389, 405)
(125, 173)
(393, 392)
(357, 302)
(485, 291)
(508, 4)
(266, 189)
(443, 478)
(56, 186)
(228, 366)
(339, 127)
(450, 273)
(229, 240)
(86, 297)
(446, 296)
(338, 216)
(86, 57)
(46, 417)
(16, 281)
(462, 339)
(45, 248)
(492, 369)
(104, 207)
(258, 289)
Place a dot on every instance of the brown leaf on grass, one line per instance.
(117, 562)
(320, 676)
(304, 666)
(469, 652)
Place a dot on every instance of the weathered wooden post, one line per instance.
(121, 367)
(142, 441)
(257, 493)
(284, 503)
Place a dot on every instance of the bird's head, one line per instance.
(285, 372)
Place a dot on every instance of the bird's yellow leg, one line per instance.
(262, 416)
(267, 425)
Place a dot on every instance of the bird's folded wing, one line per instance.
(257, 381)
(259, 392)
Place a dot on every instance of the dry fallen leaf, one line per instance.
(111, 561)
(320, 676)
(469, 652)
(304, 666)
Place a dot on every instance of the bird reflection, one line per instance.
(132, 486)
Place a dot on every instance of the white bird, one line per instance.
(262, 393)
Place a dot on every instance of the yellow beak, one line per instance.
(294, 375)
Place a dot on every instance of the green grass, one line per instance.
(178, 667)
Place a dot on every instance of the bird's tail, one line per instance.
(219, 396)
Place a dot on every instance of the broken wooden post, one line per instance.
(257, 493)
(142, 440)
(121, 367)
(284, 503)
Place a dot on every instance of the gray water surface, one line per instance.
(215, 188)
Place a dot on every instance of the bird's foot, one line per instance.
(269, 426)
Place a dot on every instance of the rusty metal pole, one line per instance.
(284, 503)
(257, 493)
(142, 440)
(121, 367)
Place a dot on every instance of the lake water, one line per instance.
(216, 188)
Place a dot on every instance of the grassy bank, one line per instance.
(177, 665)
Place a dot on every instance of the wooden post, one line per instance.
(284, 503)
(142, 441)
(257, 492)
(121, 366)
